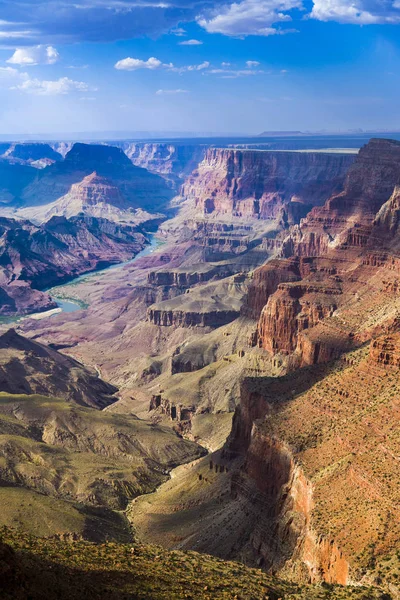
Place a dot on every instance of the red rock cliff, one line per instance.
(265, 185)
(336, 242)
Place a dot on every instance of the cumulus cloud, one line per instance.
(178, 91)
(133, 64)
(21, 81)
(61, 86)
(34, 55)
(363, 12)
(7, 72)
(152, 63)
(249, 17)
(252, 63)
(191, 43)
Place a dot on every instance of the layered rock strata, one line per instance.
(265, 185)
(342, 252)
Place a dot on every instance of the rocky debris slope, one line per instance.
(27, 367)
(40, 256)
(265, 185)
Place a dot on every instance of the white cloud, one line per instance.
(133, 64)
(34, 55)
(363, 12)
(190, 43)
(252, 63)
(61, 86)
(185, 69)
(234, 74)
(200, 67)
(9, 72)
(249, 17)
(178, 31)
(225, 64)
(77, 66)
(178, 91)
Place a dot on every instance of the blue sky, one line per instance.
(199, 65)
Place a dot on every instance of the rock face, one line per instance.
(175, 161)
(27, 367)
(341, 251)
(265, 185)
(266, 281)
(293, 308)
(39, 257)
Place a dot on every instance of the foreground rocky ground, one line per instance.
(32, 568)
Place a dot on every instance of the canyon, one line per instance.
(234, 391)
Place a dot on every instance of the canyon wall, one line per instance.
(173, 160)
(327, 261)
(278, 495)
(265, 185)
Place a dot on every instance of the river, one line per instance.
(67, 304)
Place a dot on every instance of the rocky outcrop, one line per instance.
(180, 318)
(94, 196)
(346, 217)
(265, 185)
(387, 221)
(176, 412)
(385, 351)
(265, 282)
(186, 277)
(293, 308)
